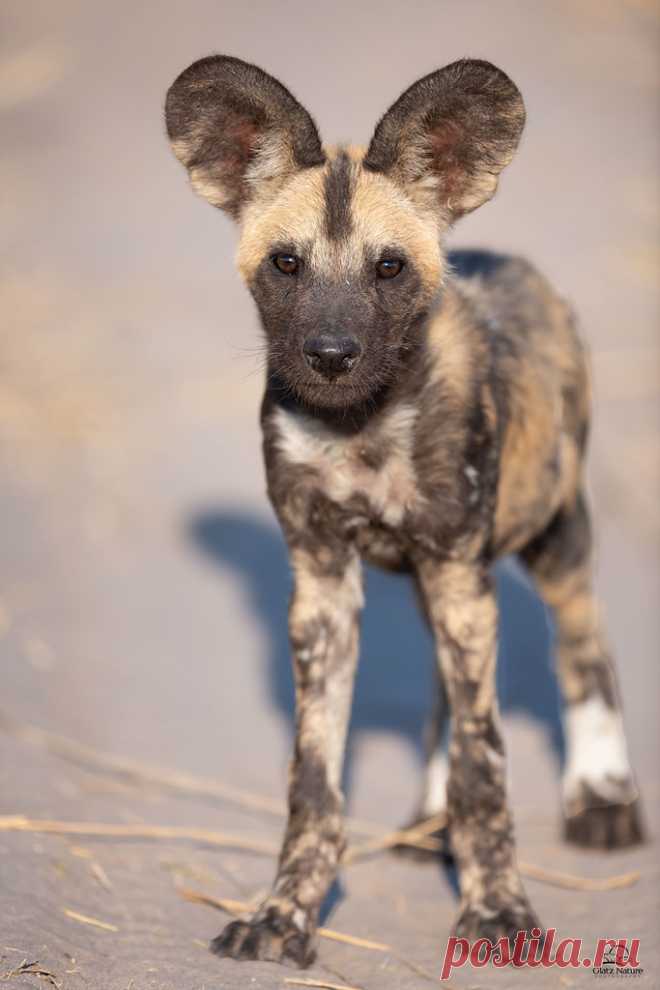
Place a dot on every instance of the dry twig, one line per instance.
(419, 837)
(323, 984)
(413, 837)
(85, 919)
(569, 881)
(173, 780)
(100, 875)
(31, 969)
(231, 906)
(19, 823)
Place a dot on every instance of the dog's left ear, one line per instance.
(447, 138)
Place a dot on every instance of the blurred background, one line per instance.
(143, 582)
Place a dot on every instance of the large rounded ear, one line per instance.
(447, 138)
(234, 126)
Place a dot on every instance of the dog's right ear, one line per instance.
(233, 126)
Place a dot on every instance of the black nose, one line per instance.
(331, 355)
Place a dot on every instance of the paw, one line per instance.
(420, 855)
(605, 826)
(270, 936)
(497, 920)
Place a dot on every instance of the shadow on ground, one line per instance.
(394, 681)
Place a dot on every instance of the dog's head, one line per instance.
(341, 248)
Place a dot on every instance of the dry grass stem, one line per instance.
(31, 969)
(85, 919)
(19, 823)
(413, 836)
(359, 943)
(571, 882)
(323, 984)
(231, 906)
(142, 773)
(568, 881)
(227, 904)
(419, 837)
(100, 875)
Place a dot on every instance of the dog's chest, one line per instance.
(371, 475)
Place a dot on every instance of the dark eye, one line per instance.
(389, 267)
(287, 263)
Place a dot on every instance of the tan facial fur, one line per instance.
(381, 213)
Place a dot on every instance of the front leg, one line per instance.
(463, 612)
(323, 626)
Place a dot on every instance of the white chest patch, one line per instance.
(342, 465)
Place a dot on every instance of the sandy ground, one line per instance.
(143, 583)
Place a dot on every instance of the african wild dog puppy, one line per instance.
(425, 412)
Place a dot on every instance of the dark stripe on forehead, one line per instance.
(338, 193)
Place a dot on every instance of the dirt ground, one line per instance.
(143, 583)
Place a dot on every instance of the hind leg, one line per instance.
(600, 798)
(433, 799)
(432, 802)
